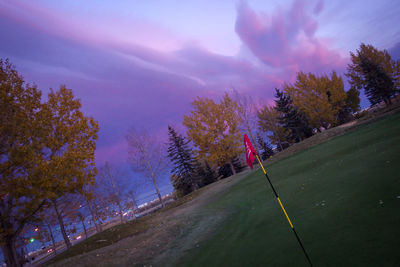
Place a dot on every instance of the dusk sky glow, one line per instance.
(141, 63)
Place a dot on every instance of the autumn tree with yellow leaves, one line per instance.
(374, 71)
(214, 129)
(320, 98)
(70, 146)
(268, 122)
(46, 150)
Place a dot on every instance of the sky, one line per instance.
(140, 63)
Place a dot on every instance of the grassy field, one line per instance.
(343, 197)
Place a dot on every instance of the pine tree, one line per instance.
(266, 148)
(205, 173)
(181, 157)
(292, 118)
(226, 171)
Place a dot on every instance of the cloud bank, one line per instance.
(126, 77)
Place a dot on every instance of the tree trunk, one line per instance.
(120, 212)
(61, 222)
(117, 196)
(133, 204)
(154, 182)
(134, 212)
(84, 228)
(232, 168)
(195, 186)
(280, 145)
(52, 239)
(10, 252)
(94, 217)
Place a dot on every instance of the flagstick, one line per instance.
(284, 211)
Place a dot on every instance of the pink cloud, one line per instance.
(124, 83)
(287, 39)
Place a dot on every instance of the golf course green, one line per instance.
(343, 197)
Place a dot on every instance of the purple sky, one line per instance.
(141, 63)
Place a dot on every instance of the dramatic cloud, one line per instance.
(135, 73)
(286, 39)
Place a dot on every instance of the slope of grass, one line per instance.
(343, 197)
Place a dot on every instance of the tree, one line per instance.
(266, 148)
(292, 119)
(213, 128)
(146, 156)
(44, 227)
(353, 100)
(23, 178)
(320, 98)
(111, 180)
(46, 230)
(225, 171)
(247, 112)
(131, 203)
(268, 122)
(374, 71)
(352, 104)
(97, 204)
(65, 211)
(70, 147)
(181, 157)
(81, 217)
(205, 173)
(45, 149)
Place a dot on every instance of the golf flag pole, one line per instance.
(250, 153)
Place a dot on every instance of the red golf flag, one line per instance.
(250, 152)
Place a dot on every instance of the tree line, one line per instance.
(213, 149)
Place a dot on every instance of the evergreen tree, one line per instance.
(266, 148)
(205, 173)
(238, 164)
(226, 171)
(292, 118)
(181, 157)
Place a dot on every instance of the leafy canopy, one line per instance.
(213, 127)
(320, 98)
(374, 71)
(46, 151)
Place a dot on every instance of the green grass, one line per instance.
(341, 196)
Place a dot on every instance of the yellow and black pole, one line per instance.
(283, 209)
